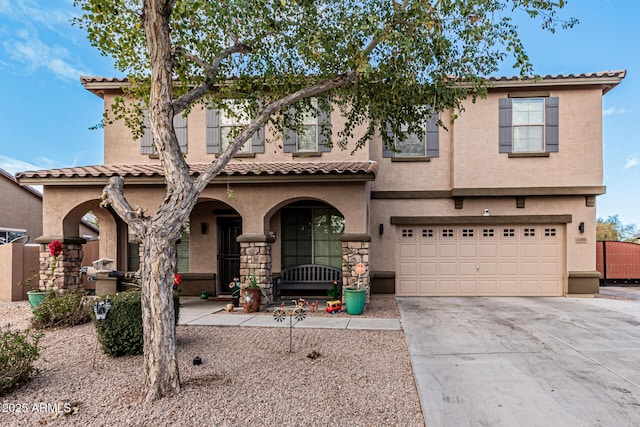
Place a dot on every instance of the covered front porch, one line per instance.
(252, 219)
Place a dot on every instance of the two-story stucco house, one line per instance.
(502, 202)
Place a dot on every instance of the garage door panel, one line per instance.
(508, 250)
(467, 269)
(407, 287)
(427, 287)
(448, 268)
(488, 250)
(508, 260)
(468, 287)
(448, 250)
(428, 269)
(531, 287)
(509, 268)
(447, 287)
(488, 287)
(407, 251)
(408, 268)
(428, 250)
(529, 269)
(529, 250)
(488, 268)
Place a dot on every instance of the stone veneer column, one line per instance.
(67, 273)
(355, 250)
(255, 256)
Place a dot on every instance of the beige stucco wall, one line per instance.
(21, 209)
(120, 148)
(477, 163)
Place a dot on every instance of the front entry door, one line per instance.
(228, 251)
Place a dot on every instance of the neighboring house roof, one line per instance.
(10, 177)
(609, 79)
(101, 173)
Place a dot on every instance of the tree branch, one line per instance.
(211, 72)
(113, 196)
(218, 165)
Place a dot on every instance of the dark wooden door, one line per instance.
(228, 251)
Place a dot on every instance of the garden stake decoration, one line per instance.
(297, 311)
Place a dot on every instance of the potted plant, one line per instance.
(251, 294)
(356, 296)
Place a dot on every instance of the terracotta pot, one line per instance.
(251, 300)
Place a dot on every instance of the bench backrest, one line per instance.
(309, 273)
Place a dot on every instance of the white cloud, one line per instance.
(632, 161)
(31, 11)
(612, 111)
(30, 51)
(14, 166)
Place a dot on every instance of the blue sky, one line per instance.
(46, 113)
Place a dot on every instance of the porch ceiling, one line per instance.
(249, 172)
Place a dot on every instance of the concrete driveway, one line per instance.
(525, 361)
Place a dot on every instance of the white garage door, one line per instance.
(495, 260)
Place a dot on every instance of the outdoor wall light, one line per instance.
(381, 229)
(581, 227)
(204, 227)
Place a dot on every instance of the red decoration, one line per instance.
(177, 279)
(55, 248)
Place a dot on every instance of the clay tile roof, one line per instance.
(233, 168)
(615, 74)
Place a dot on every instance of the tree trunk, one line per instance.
(160, 349)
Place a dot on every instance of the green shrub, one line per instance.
(18, 351)
(120, 333)
(69, 309)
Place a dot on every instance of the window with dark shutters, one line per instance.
(528, 125)
(413, 145)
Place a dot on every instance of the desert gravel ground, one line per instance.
(247, 378)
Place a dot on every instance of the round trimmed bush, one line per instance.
(120, 333)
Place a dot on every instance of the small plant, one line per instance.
(69, 309)
(120, 333)
(252, 281)
(18, 352)
(334, 293)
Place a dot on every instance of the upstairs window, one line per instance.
(528, 125)
(179, 124)
(223, 125)
(413, 145)
(315, 134)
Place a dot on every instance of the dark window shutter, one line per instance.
(387, 149)
(433, 136)
(290, 142)
(146, 142)
(551, 124)
(213, 131)
(257, 141)
(180, 126)
(324, 132)
(506, 130)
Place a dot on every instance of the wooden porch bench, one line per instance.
(307, 277)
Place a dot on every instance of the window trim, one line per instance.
(323, 135)
(213, 136)
(180, 125)
(550, 131)
(430, 140)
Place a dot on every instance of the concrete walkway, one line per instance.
(206, 313)
(525, 361)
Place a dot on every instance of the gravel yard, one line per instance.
(247, 378)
